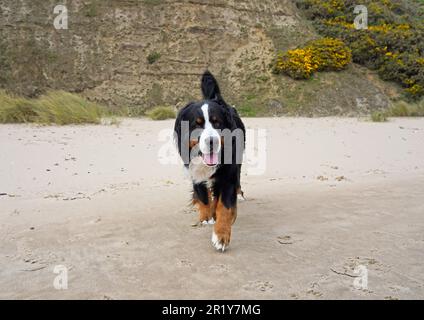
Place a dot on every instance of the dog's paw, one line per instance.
(220, 242)
(211, 221)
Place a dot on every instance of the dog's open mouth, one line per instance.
(210, 159)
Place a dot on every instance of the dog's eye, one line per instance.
(215, 122)
(199, 122)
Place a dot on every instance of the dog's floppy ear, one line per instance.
(211, 91)
(229, 118)
(182, 114)
(210, 88)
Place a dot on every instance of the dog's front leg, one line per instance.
(226, 213)
(203, 200)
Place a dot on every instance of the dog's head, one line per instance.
(199, 125)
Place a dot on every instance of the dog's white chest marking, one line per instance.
(199, 172)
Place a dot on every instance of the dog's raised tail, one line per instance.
(210, 87)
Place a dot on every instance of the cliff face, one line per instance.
(141, 53)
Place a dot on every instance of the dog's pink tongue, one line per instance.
(211, 159)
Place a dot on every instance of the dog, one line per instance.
(210, 138)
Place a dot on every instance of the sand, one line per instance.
(334, 196)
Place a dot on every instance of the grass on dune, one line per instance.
(378, 116)
(400, 109)
(56, 107)
(62, 108)
(405, 109)
(161, 113)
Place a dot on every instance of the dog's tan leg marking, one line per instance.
(234, 214)
(225, 217)
(204, 210)
(213, 202)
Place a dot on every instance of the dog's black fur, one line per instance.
(226, 179)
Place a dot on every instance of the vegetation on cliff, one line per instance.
(318, 55)
(393, 43)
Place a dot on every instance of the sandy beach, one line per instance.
(107, 202)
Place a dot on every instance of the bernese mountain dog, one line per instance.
(210, 138)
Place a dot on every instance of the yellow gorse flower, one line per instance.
(318, 55)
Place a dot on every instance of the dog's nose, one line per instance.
(212, 143)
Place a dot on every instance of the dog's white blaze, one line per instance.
(205, 110)
(209, 131)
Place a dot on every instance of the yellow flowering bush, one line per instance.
(392, 44)
(297, 63)
(330, 54)
(318, 55)
(415, 90)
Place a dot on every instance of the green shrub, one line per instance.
(161, 113)
(91, 9)
(379, 116)
(153, 57)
